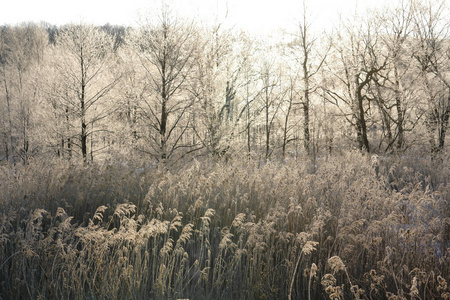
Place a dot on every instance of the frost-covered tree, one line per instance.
(21, 53)
(84, 81)
(432, 53)
(166, 49)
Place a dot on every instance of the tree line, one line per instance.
(173, 88)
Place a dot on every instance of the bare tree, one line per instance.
(288, 108)
(360, 60)
(392, 89)
(4, 60)
(271, 98)
(432, 33)
(166, 50)
(398, 29)
(82, 53)
(214, 88)
(22, 49)
(247, 88)
(306, 51)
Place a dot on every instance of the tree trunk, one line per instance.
(286, 122)
(69, 147)
(361, 120)
(398, 105)
(432, 117)
(306, 132)
(83, 141)
(248, 123)
(83, 109)
(432, 126)
(92, 142)
(444, 123)
(69, 144)
(267, 126)
(6, 147)
(162, 130)
(10, 122)
(306, 135)
(387, 130)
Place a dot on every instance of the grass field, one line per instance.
(350, 227)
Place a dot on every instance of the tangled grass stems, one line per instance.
(233, 230)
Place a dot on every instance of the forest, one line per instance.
(180, 159)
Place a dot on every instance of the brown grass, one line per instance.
(235, 230)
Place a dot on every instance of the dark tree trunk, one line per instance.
(69, 144)
(361, 125)
(444, 123)
(306, 135)
(83, 109)
(398, 105)
(92, 142)
(286, 122)
(162, 129)
(69, 147)
(83, 141)
(386, 121)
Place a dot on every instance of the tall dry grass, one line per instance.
(359, 227)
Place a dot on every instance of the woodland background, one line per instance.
(183, 160)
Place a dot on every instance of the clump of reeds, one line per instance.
(226, 231)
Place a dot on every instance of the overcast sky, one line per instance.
(259, 16)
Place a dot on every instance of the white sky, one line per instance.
(258, 16)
